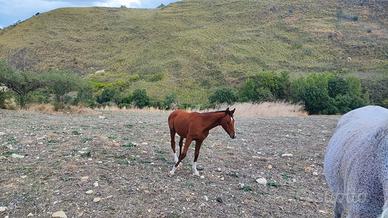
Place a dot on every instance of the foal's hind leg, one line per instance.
(182, 155)
(172, 134)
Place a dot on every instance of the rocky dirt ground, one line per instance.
(116, 164)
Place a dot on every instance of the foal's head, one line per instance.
(227, 122)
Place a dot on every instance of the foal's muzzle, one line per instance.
(233, 135)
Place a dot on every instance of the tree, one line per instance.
(61, 83)
(19, 82)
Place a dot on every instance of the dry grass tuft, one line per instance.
(268, 109)
(265, 109)
(124, 109)
(50, 109)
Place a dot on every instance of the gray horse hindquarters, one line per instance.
(356, 163)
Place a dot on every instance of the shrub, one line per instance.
(223, 95)
(378, 90)
(85, 95)
(109, 94)
(327, 93)
(337, 86)
(313, 92)
(3, 97)
(41, 96)
(140, 98)
(125, 101)
(266, 86)
(169, 101)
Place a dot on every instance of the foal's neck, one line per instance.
(212, 119)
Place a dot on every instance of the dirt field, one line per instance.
(116, 164)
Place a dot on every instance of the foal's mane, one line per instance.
(213, 112)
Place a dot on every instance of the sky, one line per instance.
(13, 10)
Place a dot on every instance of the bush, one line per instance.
(378, 91)
(328, 94)
(109, 95)
(41, 96)
(266, 86)
(140, 98)
(85, 95)
(223, 95)
(169, 101)
(3, 97)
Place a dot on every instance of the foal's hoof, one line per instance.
(171, 173)
(196, 173)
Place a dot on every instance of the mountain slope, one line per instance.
(192, 46)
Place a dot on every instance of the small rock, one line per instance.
(95, 184)
(262, 181)
(241, 185)
(219, 200)
(2, 133)
(2, 209)
(59, 214)
(144, 143)
(287, 155)
(102, 117)
(17, 156)
(222, 178)
(84, 178)
(315, 173)
(202, 177)
(200, 168)
(206, 198)
(98, 199)
(269, 166)
(23, 177)
(308, 169)
(30, 214)
(89, 192)
(218, 169)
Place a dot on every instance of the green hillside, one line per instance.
(192, 46)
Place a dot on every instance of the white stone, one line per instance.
(95, 184)
(89, 192)
(287, 155)
(262, 181)
(84, 178)
(17, 156)
(96, 199)
(2, 209)
(59, 214)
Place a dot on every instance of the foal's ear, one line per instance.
(227, 110)
(232, 111)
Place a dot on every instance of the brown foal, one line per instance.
(195, 127)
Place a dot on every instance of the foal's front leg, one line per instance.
(198, 144)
